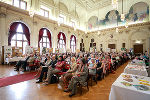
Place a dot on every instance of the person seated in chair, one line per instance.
(99, 69)
(43, 60)
(80, 76)
(30, 60)
(44, 69)
(21, 62)
(68, 75)
(59, 67)
(92, 67)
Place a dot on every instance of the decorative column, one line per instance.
(35, 33)
(4, 35)
(67, 41)
(54, 38)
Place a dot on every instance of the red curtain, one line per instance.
(64, 37)
(71, 39)
(26, 32)
(13, 30)
(49, 37)
(41, 35)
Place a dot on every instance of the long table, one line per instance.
(136, 69)
(14, 59)
(130, 87)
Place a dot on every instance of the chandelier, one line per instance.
(75, 17)
(122, 15)
(115, 4)
(58, 20)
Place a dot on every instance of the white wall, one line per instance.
(130, 35)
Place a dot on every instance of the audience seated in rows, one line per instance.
(81, 66)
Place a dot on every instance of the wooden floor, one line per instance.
(29, 90)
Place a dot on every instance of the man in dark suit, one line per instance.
(21, 62)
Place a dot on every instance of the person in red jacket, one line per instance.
(59, 66)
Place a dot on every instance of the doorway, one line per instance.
(138, 48)
(112, 46)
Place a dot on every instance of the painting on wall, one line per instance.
(93, 22)
(111, 19)
(139, 12)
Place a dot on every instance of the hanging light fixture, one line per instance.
(98, 19)
(86, 19)
(122, 15)
(115, 4)
(75, 17)
(117, 29)
(58, 22)
(126, 24)
(31, 11)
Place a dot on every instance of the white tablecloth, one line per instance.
(136, 70)
(14, 59)
(122, 92)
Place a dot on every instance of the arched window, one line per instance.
(73, 43)
(61, 40)
(19, 35)
(45, 38)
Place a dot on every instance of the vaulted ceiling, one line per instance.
(93, 4)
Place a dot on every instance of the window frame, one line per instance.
(20, 4)
(73, 46)
(16, 40)
(61, 17)
(73, 23)
(47, 42)
(61, 45)
(44, 12)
